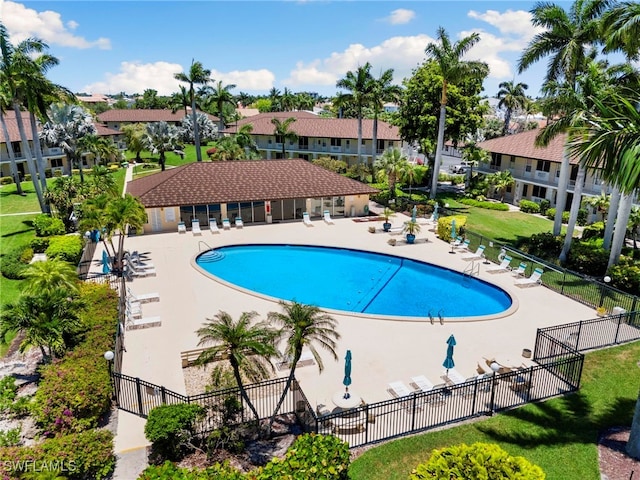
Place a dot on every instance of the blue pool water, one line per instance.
(354, 281)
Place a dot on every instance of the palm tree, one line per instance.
(412, 173)
(15, 63)
(162, 137)
(5, 102)
(65, 129)
(390, 167)
(198, 75)
(501, 181)
(222, 96)
(275, 97)
(120, 215)
(247, 347)
(360, 86)
(180, 100)
(287, 100)
(244, 140)
(303, 326)
(283, 132)
(304, 101)
(567, 39)
(382, 91)
(634, 225)
(600, 203)
(448, 56)
(49, 276)
(622, 29)
(134, 135)
(512, 97)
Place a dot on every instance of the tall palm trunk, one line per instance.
(439, 145)
(12, 156)
(287, 387)
(196, 133)
(633, 445)
(29, 158)
(620, 229)
(561, 198)
(236, 373)
(374, 138)
(573, 215)
(614, 203)
(359, 137)
(37, 147)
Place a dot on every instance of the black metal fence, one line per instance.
(85, 261)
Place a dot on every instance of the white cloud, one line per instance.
(136, 77)
(401, 16)
(516, 23)
(22, 23)
(244, 80)
(403, 54)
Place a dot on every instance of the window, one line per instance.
(540, 192)
(336, 142)
(512, 161)
(279, 139)
(303, 143)
(525, 190)
(527, 167)
(56, 162)
(17, 148)
(380, 148)
(496, 160)
(543, 166)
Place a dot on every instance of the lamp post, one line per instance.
(495, 367)
(606, 280)
(109, 356)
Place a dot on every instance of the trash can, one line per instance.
(526, 353)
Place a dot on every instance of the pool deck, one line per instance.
(383, 350)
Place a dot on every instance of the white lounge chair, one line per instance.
(478, 255)
(519, 272)
(457, 242)
(327, 217)
(144, 322)
(307, 219)
(422, 383)
(182, 228)
(455, 377)
(213, 225)
(144, 297)
(195, 227)
(226, 224)
(464, 245)
(140, 272)
(532, 281)
(503, 267)
(239, 223)
(395, 230)
(399, 389)
(138, 261)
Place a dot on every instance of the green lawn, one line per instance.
(559, 434)
(11, 202)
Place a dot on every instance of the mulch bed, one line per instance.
(615, 464)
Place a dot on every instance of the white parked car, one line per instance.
(463, 167)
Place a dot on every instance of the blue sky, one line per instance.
(113, 46)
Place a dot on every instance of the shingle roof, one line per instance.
(145, 116)
(523, 145)
(203, 183)
(308, 124)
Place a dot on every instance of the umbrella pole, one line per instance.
(346, 393)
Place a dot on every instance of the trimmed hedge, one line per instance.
(527, 206)
(12, 264)
(47, 226)
(6, 181)
(170, 427)
(444, 226)
(65, 247)
(588, 258)
(486, 205)
(170, 471)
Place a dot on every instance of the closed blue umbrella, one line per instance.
(448, 361)
(435, 212)
(347, 373)
(105, 262)
(414, 213)
(453, 229)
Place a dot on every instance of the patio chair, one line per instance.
(478, 255)
(226, 224)
(456, 242)
(239, 223)
(307, 219)
(398, 389)
(195, 227)
(327, 218)
(533, 281)
(140, 272)
(135, 258)
(464, 245)
(422, 383)
(143, 322)
(519, 272)
(182, 228)
(213, 225)
(503, 267)
(144, 297)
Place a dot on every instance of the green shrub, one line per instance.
(310, 456)
(487, 205)
(113, 168)
(47, 226)
(543, 245)
(11, 264)
(75, 171)
(595, 230)
(10, 438)
(27, 178)
(544, 206)
(170, 428)
(75, 391)
(48, 173)
(587, 258)
(169, 471)
(6, 181)
(551, 215)
(27, 255)
(66, 247)
(625, 275)
(57, 173)
(444, 226)
(527, 206)
(39, 244)
(480, 460)
(582, 217)
(78, 456)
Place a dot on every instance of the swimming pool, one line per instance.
(354, 281)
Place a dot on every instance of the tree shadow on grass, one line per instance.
(26, 223)
(565, 420)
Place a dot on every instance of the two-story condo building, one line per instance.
(319, 137)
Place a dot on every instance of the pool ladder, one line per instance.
(472, 270)
(202, 242)
(440, 317)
